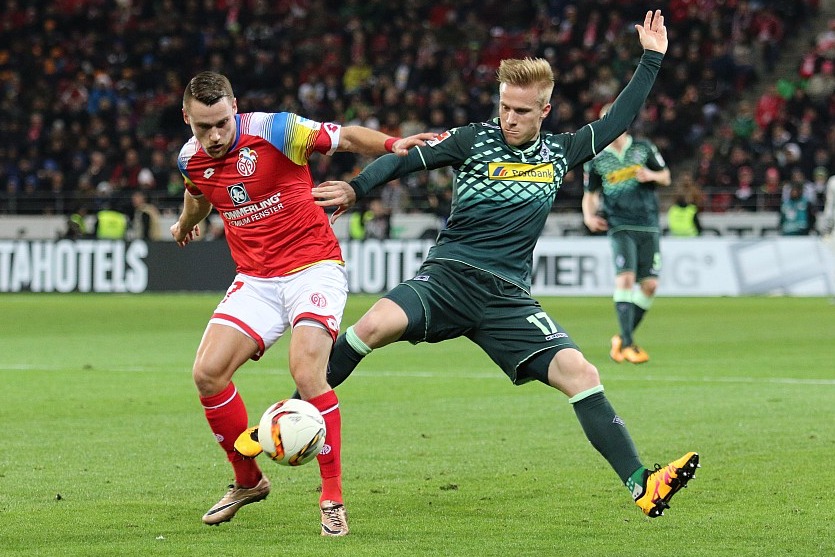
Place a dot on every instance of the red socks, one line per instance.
(227, 417)
(330, 461)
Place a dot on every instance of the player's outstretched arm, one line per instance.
(401, 146)
(365, 141)
(653, 33)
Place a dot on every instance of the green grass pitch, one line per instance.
(105, 451)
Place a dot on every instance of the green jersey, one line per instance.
(627, 203)
(502, 194)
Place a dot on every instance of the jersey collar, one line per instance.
(620, 154)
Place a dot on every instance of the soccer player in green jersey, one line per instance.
(620, 198)
(476, 280)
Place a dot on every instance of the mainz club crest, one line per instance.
(318, 300)
(246, 161)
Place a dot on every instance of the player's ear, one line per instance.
(546, 110)
(185, 117)
(234, 105)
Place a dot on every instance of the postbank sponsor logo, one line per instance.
(521, 172)
(622, 174)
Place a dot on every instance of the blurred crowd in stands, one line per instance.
(90, 110)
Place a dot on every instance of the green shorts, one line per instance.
(448, 299)
(637, 251)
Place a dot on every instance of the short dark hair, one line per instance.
(208, 88)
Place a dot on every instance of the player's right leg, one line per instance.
(222, 351)
(383, 324)
(571, 373)
(624, 311)
(616, 351)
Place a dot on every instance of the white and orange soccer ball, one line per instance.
(292, 432)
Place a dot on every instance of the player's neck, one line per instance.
(620, 143)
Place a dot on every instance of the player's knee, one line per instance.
(588, 372)
(207, 386)
(209, 380)
(378, 328)
(367, 328)
(648, 287)
(311, 386)
(571, 372)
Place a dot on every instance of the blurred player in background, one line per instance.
(620, 198)
(476, 280)
(253, 168)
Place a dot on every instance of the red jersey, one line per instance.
(261, 189)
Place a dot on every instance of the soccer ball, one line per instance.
(292, 432)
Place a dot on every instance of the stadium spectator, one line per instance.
(683, 218)
(768, 30)
(110, 223)
(113, 75)
(690, 189)
(797, 215)
(76, 225)
(126, 174)
(768, 107)
(820, 177)
(475, 281)
(745, 195)
(284, 249)
(797, 178)
(771, 192)
(376, 221)
(822, 83)
(828, 214)
(395, 198)
(145, 220)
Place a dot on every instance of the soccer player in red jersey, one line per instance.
(253, 168)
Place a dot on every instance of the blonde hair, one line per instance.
(526, 72)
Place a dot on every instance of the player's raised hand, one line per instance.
(335, 193)
(653, 34)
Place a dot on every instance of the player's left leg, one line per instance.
(528, 344)
(577, 378)
(572, 374)
(648, 267)
(647, 271)
(310, 346)
(643, 299)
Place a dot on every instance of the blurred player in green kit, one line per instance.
(620, 198)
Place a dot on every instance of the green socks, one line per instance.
(607, 433)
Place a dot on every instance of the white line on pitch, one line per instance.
(256, 370)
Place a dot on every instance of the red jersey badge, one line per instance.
(246, 161)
